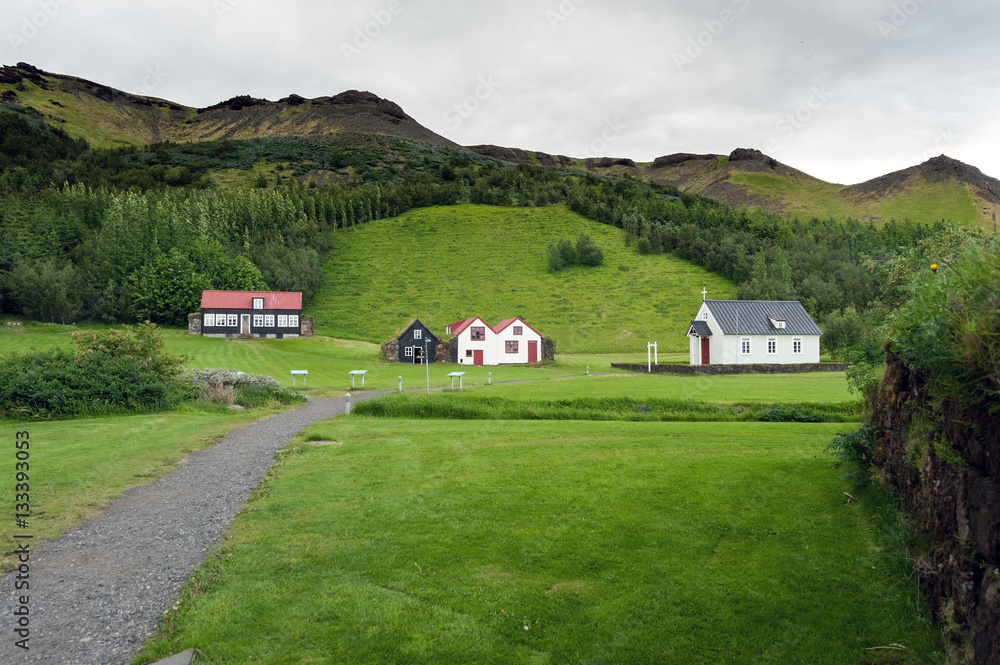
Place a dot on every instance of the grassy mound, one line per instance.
(444, 264)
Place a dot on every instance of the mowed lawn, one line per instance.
(448, 263)
(76, 466)
(539, 542)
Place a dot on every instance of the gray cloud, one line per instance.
(843, 90)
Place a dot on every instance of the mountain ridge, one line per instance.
(942, 187)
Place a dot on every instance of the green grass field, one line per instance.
(921, 200)
(448, 263)
(76, 466)
(540, 542)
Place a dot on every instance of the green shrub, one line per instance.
(949, 329)
(856, 449)
(784, 413)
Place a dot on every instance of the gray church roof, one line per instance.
(757, 317)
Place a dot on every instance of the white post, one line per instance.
(400, 384)
(347, 404)
(489, 379)
(352, 381)
(362, 380)
(649, 358)
(452, 382)
(656, 357)
(588, 370)
(459, 383)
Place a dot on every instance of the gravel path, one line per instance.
(97, 592)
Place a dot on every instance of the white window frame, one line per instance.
(418, 333)
(746, 346)
(797, 346)
(408, 352)
(269, 320)
(233, 321)
(704, 316)
(258, 320)
(209, 321)
(258, 303)
(282, 320)
(293, 320)
(772, 346)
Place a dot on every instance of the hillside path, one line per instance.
(97, 592)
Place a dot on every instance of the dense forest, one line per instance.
(136, 234)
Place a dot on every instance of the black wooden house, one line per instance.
(409, 345)
(273, 314)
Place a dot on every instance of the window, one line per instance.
(772, 346)
(293, 320)
(209, 321)
(269, 320)
(518, 330)
(745, 346)
(408, 352)
(705, 316)
(258, 303)
(478, 334)
(512, 346)
(797, 345)
(468, 353)
(418, 334)
(282, 320)
(233, 321)
(258, 320)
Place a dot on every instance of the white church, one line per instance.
(745, 332)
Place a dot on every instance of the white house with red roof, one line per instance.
(476, 342)
(510, 342)
(517, 342)
(274, 314)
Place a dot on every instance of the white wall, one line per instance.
(488, 345)
(522, 340)
(729, 350)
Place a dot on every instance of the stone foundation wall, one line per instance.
(734, 369)
(944, 462)
(306, 326)
(194, 324)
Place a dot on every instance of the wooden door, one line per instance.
(532, 352)
(477, 357)
(244, 324)
(706, 351)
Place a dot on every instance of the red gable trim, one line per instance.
(503, 325)
(244, 299)
(459, 327)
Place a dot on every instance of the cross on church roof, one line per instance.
(704, 294)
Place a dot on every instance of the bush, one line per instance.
(230, 378)
(856, 449)
(587, 251)
(949, 329)
(53, 384)
(783, 413)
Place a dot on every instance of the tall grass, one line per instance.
(476, 406)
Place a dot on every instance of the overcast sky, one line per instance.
(844, 90)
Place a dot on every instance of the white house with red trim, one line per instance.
(510, 342)
(517, 342)
(476, 342)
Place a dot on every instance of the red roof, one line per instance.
(457, 327)
(500, 327)
(244, 299)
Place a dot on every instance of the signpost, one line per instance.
(299, 372)
(459, 375)
(354, 373)
(652, 356)
(427, 363)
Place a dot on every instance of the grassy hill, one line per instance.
(941, 188)
(444, 264)
(108, 118)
